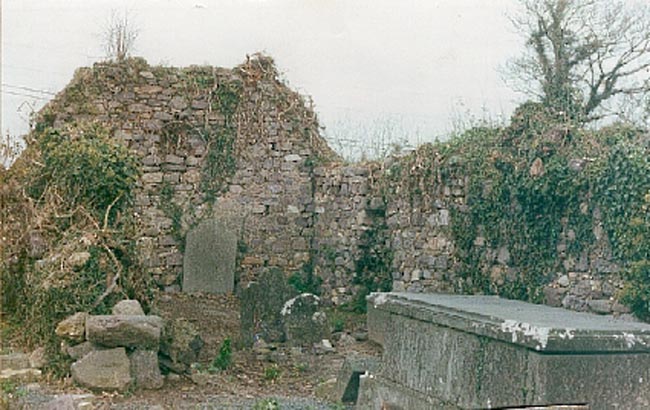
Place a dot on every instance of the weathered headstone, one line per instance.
(304, 323)
(261, 306)
(209, 260)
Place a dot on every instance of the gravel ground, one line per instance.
(34, 397)
(240, 403)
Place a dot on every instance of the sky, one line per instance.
(411, 68)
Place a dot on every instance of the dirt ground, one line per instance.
(299, 378)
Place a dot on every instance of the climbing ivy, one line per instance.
(220, 161)
(530, 186)
(373, 267)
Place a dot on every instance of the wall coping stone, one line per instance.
(537, 327)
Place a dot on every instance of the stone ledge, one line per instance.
(538, 327)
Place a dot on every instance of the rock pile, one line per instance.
(114, 352)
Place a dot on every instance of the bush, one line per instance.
(272, 373)
(636, 294)
(87, 169)
(305, 280)
(77, 199)
(267, 404)
(224, 359)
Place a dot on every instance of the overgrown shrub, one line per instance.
(224, 358)
(85, 168)
(73, 189)
(305, 280)
(373, 268)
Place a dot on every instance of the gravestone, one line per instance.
(261, 307)
(468, 352)
(304, 323)
(209, 260)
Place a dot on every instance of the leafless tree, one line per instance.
(119, 36)
(10, 148)
(583, 53)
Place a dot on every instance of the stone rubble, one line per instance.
(102, 361)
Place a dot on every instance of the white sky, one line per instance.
(418, 63)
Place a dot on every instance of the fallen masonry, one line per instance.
(114, 352)
(467, 352)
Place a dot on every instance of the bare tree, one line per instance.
(119, 36)
(10, 148)
(583, 53)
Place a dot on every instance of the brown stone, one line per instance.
(73, 328)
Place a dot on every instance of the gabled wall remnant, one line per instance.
(240, 146)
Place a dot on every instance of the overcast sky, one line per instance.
(419, 64)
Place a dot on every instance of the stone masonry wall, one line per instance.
(424, 258)
(343, 196)
(292, 204)
(162, 114)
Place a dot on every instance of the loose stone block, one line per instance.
(181, 344)
(466, 352)
(73, 327)
(78, 351)
(124, 330)
(128, 307)
(346, 389)
(14, 361)
(209, 260)
(103, 370)
(145, 369)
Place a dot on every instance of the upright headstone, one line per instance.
(209, 261)
(304, 323)
(261, 306)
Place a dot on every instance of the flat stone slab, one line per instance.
(468, 352)
(124, 330)
(538, 327)
(209, 259)
(14, 361)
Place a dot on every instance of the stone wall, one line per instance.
(420, 216)
(421, 238)
(292, 204)
(343, 204)
(165, 115)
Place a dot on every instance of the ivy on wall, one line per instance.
(530, 186)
